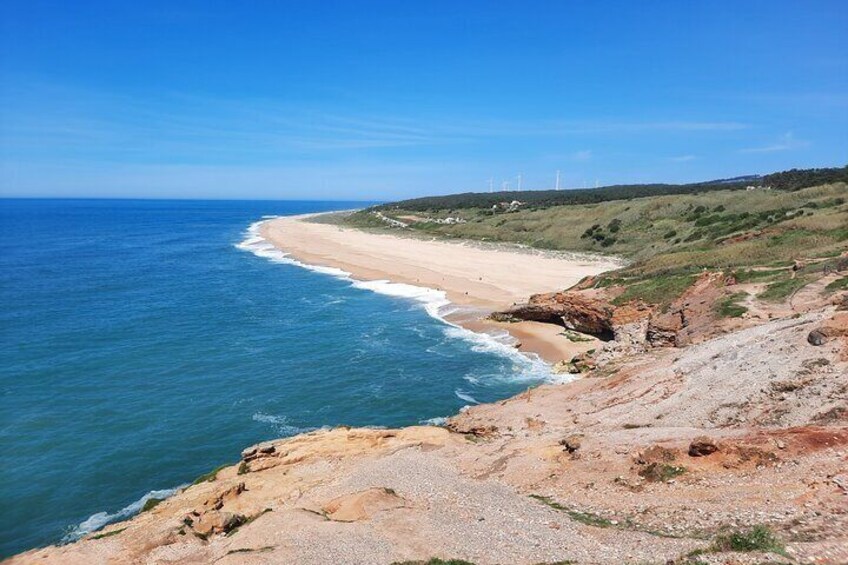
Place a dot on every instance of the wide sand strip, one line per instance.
(482, 278)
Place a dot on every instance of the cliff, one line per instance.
(648, 459)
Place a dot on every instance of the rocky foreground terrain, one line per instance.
(683, 442)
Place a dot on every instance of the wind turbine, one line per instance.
(491, 185)
(557, 181)
(519, 181)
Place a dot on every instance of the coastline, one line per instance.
(570, 469)
(460, 282)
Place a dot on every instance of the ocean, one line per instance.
(144, 343)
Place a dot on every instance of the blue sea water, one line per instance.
(143, 343)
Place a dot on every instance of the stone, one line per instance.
(702, 446)
(258, 451)
(571, 443)
(362, 505)
(816, 337)
(210, 523)
(572, 310)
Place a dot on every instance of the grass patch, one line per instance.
(758, 538)
(838, 284)
(151, 503)
(781, 290)
(108, 534)
(660, 234)
(243, 468)
(209, 477)
(660, 289)
(727, 307)
(759, 275)
(661, 472)
(583, 517)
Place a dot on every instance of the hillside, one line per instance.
(794, 179)
(782, 238)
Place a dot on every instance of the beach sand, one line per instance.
(480, 279)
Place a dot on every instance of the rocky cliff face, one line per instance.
(641, 464)
(627, 328)
(576, 311)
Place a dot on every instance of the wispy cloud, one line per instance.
(583, 155)
(75, 122)
(682, 158)
(785, 142)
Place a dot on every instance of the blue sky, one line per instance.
(384, 100)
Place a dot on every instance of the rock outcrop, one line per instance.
(572, 310)
(634, 326)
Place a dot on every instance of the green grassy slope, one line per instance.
(669, 235)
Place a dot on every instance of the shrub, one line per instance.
(727, 307)
(208, 477)
(151, 503)
(758, 538)
(661, 472)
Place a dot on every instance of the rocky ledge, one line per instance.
(732, 450)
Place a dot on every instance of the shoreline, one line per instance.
(473, 280)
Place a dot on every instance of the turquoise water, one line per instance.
(143, 343)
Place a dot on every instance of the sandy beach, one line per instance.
(481, 279)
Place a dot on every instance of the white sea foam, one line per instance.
(466, 397)
(280, 424)
(97, 521)
(529, 367)
(437, 421)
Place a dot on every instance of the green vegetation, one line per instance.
(660, 289)
(727, 307)
(758, 538)
(760, 275)
(582, 517)
(797, 179)
(788, 180)
(781, 290)
(210, 476)
(670, 234)
(661, 472)
(838, 284)
(151, 503)
(108, 534)
(243, 468)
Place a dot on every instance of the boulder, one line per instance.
(572, 310)
(215, 522)
(257, 452)
(571, 443)
(816, 337)
(702, 446)
(562, 367)
(835, 327)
